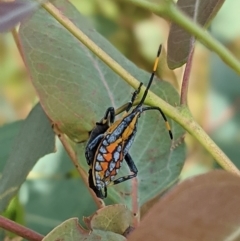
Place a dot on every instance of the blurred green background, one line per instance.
(213, 99)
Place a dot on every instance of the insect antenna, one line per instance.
(152, 76)
(146, 92)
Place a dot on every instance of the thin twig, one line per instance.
(186, 75)
(74, 160)
(19, 230)
(169, 10)
(135, 204)
(183, 117)
(16, 40)
(83, 38)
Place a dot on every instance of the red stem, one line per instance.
(100, 203)
(135, 207)
(185, 82)
(19, 230)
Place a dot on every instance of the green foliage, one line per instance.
(61, 65)
(70, 230)
(35, 140)
(77, 75)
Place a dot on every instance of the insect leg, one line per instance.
(134, 96)
(164, 117)
(132, 168)
(109, 115)
(126, 107)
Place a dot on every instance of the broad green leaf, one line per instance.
(34, 140)
(115, 218)
(204, 207)
(180, 42)
(7, 134)
(70, 230)
(75, 88)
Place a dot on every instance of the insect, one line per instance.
(110, 141)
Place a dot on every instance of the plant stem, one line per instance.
(117, 68)
(185, 81)
(16, 40)
(74, 160)
(170, 11)
(183, 117)
(20, 230)
(135, 204)
(83, 38)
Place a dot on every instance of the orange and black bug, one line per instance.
(110, 141)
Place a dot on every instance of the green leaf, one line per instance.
(75, 88)
(114, 218)
(7, 134)
(35, 139)
(201, 208)
(70, 230)
(180, 42)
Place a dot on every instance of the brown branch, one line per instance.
(135, 204)
(16, 40)
(20, 230)
(185, 81)
(74, 160)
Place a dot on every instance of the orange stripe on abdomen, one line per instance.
(111, 147)
(107, 157)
